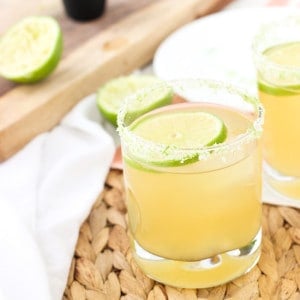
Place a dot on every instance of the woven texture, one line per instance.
(103, 268)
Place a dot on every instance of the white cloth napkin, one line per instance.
(46, 192)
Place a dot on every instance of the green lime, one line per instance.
(185, 130)
(278, 90)
(31, 49)
(112, 94)
(284, 55)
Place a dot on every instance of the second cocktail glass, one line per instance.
(276, 50)
(194, 204)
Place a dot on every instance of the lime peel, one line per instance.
(278, 90)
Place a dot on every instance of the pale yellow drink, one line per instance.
(191, 215)
(276, 53)
(281, 100)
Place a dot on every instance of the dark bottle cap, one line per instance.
(84, 10)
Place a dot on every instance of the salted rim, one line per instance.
(149, 148)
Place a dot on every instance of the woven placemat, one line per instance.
(103, 269)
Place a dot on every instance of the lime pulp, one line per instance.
(112, 94)
(31, 49)
(185, 130)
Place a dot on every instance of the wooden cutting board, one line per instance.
(123, 39)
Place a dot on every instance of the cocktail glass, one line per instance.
(276, 49)
(194, 213)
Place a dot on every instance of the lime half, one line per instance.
(112, 94)
(31, 49)
(186, 130)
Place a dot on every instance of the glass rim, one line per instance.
(259, 57)
(254, 131)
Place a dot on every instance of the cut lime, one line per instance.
(285, 55)
(186, 130)
(113, 93)
(278, 90)
(31, 49)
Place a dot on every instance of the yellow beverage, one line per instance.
(200, 220)
(280, 96)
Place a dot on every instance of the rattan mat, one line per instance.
(102, 267)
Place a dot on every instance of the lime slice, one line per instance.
(113, 93)
(287, 54)
(284, 55)
(30, 50)
(278, 90)
(185, 130)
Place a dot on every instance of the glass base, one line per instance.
(288, 186)
(204, 273)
